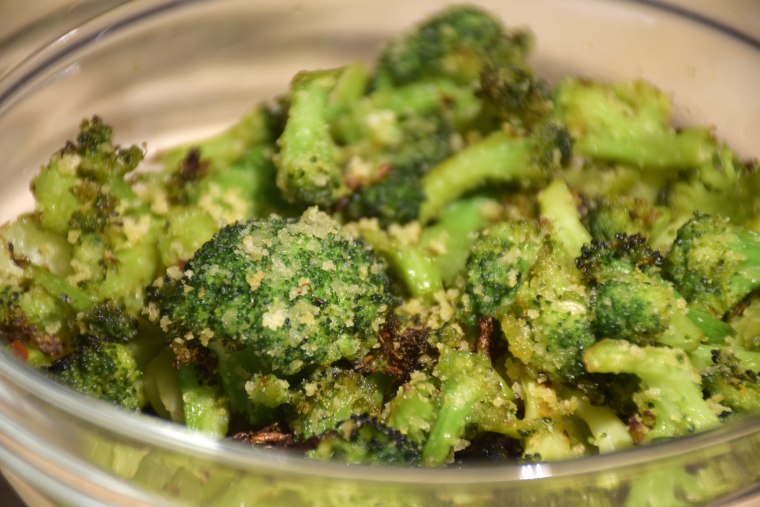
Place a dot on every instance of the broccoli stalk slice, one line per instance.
(452, 236)
(670, 384)
(415, 268)
(203, 407)
(57, 286)
(629, 122)
(557, 203)
(497, 158)
(714, 329)
(308, 169)
(608, 431)
(349, 87)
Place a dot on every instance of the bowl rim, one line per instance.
(169, 436)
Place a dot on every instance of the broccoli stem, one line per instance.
(417, 270)
(59, 288)
(714, 329)
(497, 158)
(609, 432)
(557, 203)
(349, 88)
(204, 409)
(307, 166)
(453, 235)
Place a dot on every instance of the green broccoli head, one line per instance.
(104, 370)
(714, 264)
(294, 292)
(629, 298)
(548, 325)
(364, 439)
(455, 43)
(498, 263)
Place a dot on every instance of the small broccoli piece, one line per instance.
(450, 239)
(607, 217)
(81, 185)
(515, 94)
(455, 43)
(410, 263)
(670, 387)
(364, 439)
(608, 432)
(714, 264)
(414, 408)
(731, 380)
(545, 426)
(746, 324)
(498, 158)
(256, 127)
(472, 394)
(110, 322)
(330, 397)
(499, 260)
(557, 203)
(291, 292)
(204, 407)
(104, 370)
(628, 122)
(308, 169)
(629, 298)
(722, 186)
(548, 325)
(397, 196)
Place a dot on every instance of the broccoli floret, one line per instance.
(455, 43)
(293, 293)
(330, 397)
(670, 391)
(414, 408)
(472, 394)
(364, 439)
(548, 324)
(397, 196)
(714, 264)
(499, 260)
(82, 183)
(629, 298)
(628, 122)
(606, 217)
(104, 370)
(732, 379)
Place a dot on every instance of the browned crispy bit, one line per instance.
(486, 326)
(637, 429)
(192, 168)
(403, 350)
(269, 436)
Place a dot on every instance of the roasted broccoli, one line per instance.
(434, 259)
(290, 292)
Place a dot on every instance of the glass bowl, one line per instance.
(165, 71)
